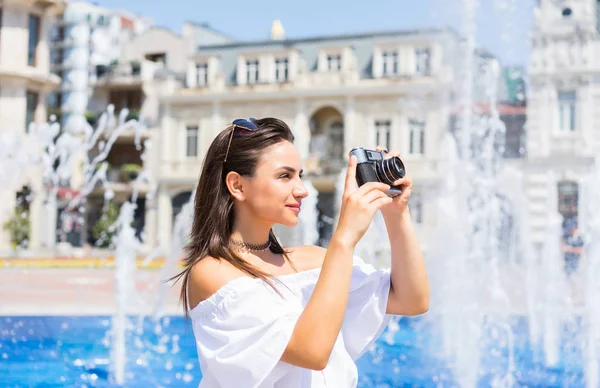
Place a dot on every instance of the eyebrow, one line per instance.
(290, 169)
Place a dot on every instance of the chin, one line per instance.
(289, 221)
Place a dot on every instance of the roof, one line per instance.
(323, 38)
(212, 29)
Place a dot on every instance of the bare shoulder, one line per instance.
(207, 276)
(307, 257)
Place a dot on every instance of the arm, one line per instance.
(319, 325)
(409, 291)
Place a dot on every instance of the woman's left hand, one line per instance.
(399, 205)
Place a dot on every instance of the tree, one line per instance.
(104, 229)
(18, 228)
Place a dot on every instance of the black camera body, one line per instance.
(373, 167)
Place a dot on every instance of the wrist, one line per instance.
(341, 241)
(395, 214)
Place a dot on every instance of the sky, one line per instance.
(502, 25)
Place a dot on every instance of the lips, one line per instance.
(295, 208)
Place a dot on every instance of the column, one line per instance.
(349, 123)
(166, 139)
(43, 49)
(40, 116)
(216, 122)
(37, 223)
(7, 206)
(150, 225)
(585, 110)
(301, 130)
(165, 217)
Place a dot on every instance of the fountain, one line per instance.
(60, 151)
(591, 260)
(484, 272)
(467, 291)
(179, 237)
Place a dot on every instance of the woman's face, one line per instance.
(275, 192)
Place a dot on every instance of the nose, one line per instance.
(300, 191)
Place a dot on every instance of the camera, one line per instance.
(373, 167)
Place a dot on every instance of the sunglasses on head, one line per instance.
(245, 126)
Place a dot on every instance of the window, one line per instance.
(34, 38)
(252, 71)
(202, 74)
(32, 103)
(382, 133)
(422, 56)
(157, 58)
(0, 22)
(416, 207)
(334, 62)
(390, 63)
(417, 137)
(567, 102)
(191, 141)
(281, 70)
(336, 140)
(568, 198)
(598, 16)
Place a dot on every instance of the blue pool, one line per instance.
(74, 351)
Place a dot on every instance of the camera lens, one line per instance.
(390, 170)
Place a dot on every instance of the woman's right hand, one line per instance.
(359, 206)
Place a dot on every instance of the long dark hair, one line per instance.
(212, 224)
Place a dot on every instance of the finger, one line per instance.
(371, 186)
(380, 149)
(380, 202)
(404, 181)
(392, 154)
(374, 195)
(350, 185)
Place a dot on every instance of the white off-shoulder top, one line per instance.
(242, 330)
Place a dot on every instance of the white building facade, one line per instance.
(336, 93)
(563, 127)
(25, 83)
(86, 41)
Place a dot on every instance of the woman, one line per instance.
(264, 316)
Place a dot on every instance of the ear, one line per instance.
(234, 183)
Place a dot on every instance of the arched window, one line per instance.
(568, 198)
(178, 201)
(336, 140)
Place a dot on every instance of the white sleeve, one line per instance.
(366, 316)
(241, 333)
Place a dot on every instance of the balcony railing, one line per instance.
(127, 72)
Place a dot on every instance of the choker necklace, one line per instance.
(250, 247)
